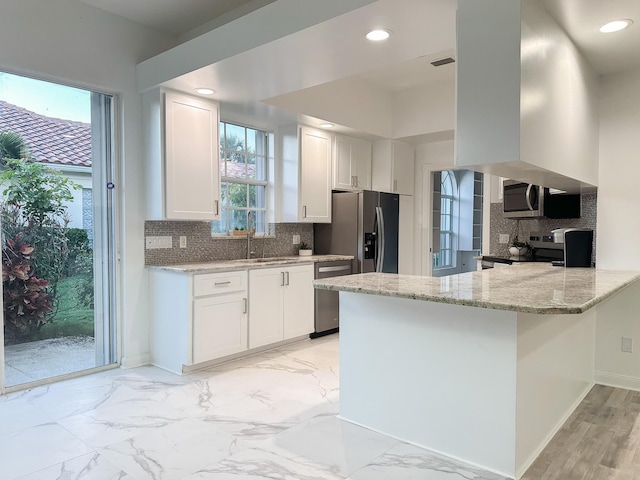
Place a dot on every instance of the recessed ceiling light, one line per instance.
(327, 125)
(378, 35)
(205, 91)
(615, 26)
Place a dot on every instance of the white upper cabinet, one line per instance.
(351, 163)
(182, 156)
(314, 181)
(393, 167)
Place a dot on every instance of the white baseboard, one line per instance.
(439, 452)
(137, 361)
(617, 380)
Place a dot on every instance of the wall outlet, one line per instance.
(627, 345)
(296, 239)
(504, 238)
(158, 242)
(183, 242)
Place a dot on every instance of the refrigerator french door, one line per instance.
(365, 225)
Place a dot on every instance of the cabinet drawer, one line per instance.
(218, 283)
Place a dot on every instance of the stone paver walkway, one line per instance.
(41, 359)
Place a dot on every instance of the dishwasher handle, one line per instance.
(341, 268)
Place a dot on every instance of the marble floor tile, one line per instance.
(37, 447)
(173, 451)
(268, 416)
(124, 414)
(255, 463)
(18, 416)
(406, 462)
(91, 466)
(343, 448)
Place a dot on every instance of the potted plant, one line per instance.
(518, 248)
(304, 250)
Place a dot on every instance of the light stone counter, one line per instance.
(245, 264)
(529, 288)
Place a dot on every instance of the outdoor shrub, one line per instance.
(26, 300)
(79, 260)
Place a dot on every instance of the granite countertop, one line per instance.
(530, 287)
(245, 264)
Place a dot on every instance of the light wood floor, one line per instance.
(600, 441)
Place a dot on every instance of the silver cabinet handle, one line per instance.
(287, 277)
(354, 182)
(244, 305)
(217, 207)
(282, 279)
(304, 211)
(395, 185)
(355, 178)
(220, 284)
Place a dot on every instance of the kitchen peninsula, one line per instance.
(483, 366)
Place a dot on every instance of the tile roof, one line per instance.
(50, 140)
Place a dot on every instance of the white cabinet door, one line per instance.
(298, 301)
(219, 326)
(192, 171)
(403, 161)
(393, 167)
(351, 163)
(315, 176)
(265, 306)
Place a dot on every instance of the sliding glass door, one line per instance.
(58, 237)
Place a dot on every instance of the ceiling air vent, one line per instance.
(442, 61)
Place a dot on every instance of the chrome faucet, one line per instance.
(249, 218)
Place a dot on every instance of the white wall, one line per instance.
(73, 43)
(424, 110)
(618, 227)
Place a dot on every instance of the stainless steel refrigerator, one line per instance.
(365, 225)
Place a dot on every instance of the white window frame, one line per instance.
(225, 179)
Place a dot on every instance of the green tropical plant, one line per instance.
(38, 190)
(12, 146)
(34, 209)
(26, 301)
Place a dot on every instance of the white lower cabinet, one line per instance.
(281, 304)
(198, 318)
(219, 326)
(265, 302)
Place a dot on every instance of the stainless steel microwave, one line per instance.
(522, 200)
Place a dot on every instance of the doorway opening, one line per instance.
(58, 230)
(456, 236)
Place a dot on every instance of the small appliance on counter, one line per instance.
(569, 247)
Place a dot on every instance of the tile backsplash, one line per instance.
(202, 247)
(499, 224)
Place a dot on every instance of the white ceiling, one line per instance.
(175, 17)
(423, 30)
(607, 53)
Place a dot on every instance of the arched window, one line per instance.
(447, 195)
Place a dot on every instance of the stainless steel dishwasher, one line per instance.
(327, 307)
